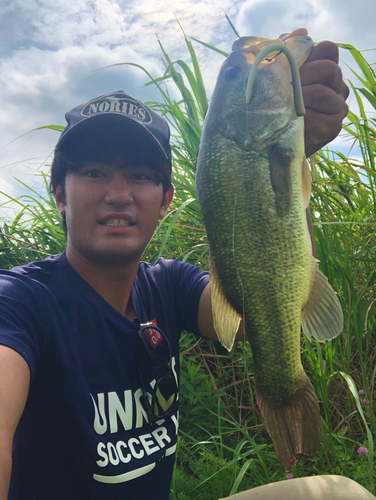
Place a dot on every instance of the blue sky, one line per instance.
(50, 49)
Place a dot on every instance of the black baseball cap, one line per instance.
(121, 110)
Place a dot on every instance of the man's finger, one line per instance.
(324, 50)
(320, 129)
(325, 71)
(324, 100)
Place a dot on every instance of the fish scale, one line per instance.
(252, 193)
(253, 188)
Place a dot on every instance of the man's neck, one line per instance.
(113, 283)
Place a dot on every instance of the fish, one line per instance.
(253, 185)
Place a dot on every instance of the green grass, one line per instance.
(223, 447)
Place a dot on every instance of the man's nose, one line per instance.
(119, 190)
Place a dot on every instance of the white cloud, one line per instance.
(57, 24)
(338, 20)
(6, 188)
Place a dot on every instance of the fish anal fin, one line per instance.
(307, 183)
(226, 319)
(322, 316)
(280, 160)
(294, 426)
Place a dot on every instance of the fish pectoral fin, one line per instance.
(322, 316)
(280, 160)
(226, 320)
(307, 183)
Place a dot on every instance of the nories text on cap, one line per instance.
(123, 109)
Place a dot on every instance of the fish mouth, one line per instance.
(296, 84)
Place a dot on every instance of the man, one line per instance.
(89, 339)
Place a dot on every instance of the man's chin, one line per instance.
(111, 257)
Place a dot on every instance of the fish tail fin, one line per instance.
(295, 425)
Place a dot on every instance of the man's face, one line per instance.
(98, 198)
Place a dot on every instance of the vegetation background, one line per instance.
(223, 446)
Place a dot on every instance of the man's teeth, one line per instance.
(117, 222)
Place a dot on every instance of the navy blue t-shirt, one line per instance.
(84, 433)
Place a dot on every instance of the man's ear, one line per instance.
(166, 202)
(59, 198)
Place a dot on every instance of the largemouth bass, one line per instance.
(253, 185)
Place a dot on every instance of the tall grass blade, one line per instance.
(232, 26)
(354, 392)
(211, 47)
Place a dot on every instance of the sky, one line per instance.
(51, 51)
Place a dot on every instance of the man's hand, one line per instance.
(324, 94)
(14, 388)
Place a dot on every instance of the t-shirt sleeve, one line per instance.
(189, 283)
(20, 326)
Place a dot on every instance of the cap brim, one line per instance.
(103, 121)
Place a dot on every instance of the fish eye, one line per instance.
(232, 72)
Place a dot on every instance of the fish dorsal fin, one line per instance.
(226, 319)
(280, 160)
(307, 183)
(322, 316)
